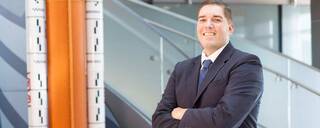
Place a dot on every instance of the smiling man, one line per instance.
(221, 88)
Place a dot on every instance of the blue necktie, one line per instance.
(203, 72)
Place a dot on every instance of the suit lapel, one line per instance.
(214, 69)
(193, 78)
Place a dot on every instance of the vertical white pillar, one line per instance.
(95, 63)
(36, 63)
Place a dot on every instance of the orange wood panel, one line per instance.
(79, 88)
(66, 64)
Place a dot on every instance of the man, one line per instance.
(219, 89)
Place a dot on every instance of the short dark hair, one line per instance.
(226, 8)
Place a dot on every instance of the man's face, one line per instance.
(213, 28)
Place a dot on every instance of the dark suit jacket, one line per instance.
(229, 98)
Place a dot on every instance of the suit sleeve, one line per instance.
(162, 115)
(244, 89)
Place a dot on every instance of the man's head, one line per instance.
(214, 25)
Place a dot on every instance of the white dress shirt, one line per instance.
(213, 56)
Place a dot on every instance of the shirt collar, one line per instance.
(213, 56)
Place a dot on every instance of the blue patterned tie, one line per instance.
(203, 72)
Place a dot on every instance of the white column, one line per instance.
(95, 63)
(36, 64)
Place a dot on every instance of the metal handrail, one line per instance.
(293, 81)
(141, 19)
(268, 69)
(170, 29)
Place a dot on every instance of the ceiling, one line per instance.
(275, 2)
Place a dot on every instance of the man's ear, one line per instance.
(231, 28)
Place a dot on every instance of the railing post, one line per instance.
(161, 66)
(289, 94)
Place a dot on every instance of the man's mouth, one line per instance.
(209, 34)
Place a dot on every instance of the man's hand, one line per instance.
(177, 113)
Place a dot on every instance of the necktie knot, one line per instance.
(206, 63)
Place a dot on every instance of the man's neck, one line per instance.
(209, 52)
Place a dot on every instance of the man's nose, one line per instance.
(209, 24)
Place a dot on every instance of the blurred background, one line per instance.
(144, 39)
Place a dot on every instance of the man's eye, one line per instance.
(217, 20)
(202, 20)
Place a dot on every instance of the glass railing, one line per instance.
(129, 64)
(292, 69)
(140, 55)
(134, 66)
(286, 104)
